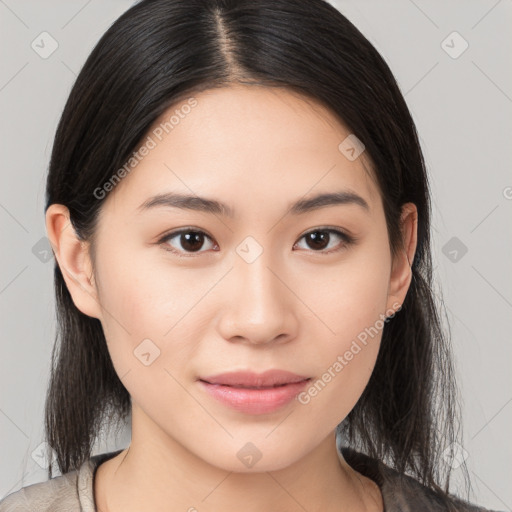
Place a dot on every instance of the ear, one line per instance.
(401, 272)
(72, 255)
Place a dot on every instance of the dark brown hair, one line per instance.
(161, 51)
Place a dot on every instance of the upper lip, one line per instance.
(251, 379)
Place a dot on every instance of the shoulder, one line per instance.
(407, 494)
(71, 492)
(402, 493)
(58, 494)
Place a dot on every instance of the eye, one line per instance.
(187, 241)
(190, 240)
(320, 238)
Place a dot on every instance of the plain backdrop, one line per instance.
(452, 62)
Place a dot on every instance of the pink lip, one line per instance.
(253, 393)
(251, 379)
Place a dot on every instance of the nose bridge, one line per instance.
(259, 308)
(259, 283)
(252, 266)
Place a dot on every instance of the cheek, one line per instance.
(340, 382)
(141, 292)
(144, 309)
(345, 361)
(351, 305)
(348, 297)
(150, 339)
(158, 314)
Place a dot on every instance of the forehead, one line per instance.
(245, 145)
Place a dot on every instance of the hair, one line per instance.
(158, 53)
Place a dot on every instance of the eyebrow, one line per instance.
(202, 204)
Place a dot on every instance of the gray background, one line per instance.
(462, 105)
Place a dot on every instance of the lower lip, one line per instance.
(255, 401)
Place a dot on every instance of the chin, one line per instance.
(248, 457)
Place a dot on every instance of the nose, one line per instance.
(259, 307)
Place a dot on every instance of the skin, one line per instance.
(256, 149)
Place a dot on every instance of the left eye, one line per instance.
(191, 241)
(320, 237)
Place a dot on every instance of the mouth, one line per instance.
(242, 386)
(250, 380)
(254, 398)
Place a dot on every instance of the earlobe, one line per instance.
(72, 255)
(401, 273)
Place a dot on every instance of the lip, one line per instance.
(251, 379)
(252, 393)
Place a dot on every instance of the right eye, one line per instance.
(190, 240)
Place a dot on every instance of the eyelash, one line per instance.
(347, 240)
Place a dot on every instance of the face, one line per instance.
(187, 293)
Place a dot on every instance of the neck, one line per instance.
(158, 473)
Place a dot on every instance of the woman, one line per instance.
(240, 215)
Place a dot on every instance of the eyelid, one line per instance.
(335, 229)
(187, 229)
(348, 239)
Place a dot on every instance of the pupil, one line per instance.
(319, 236)
(191, 239)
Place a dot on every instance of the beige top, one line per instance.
(74, 491)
